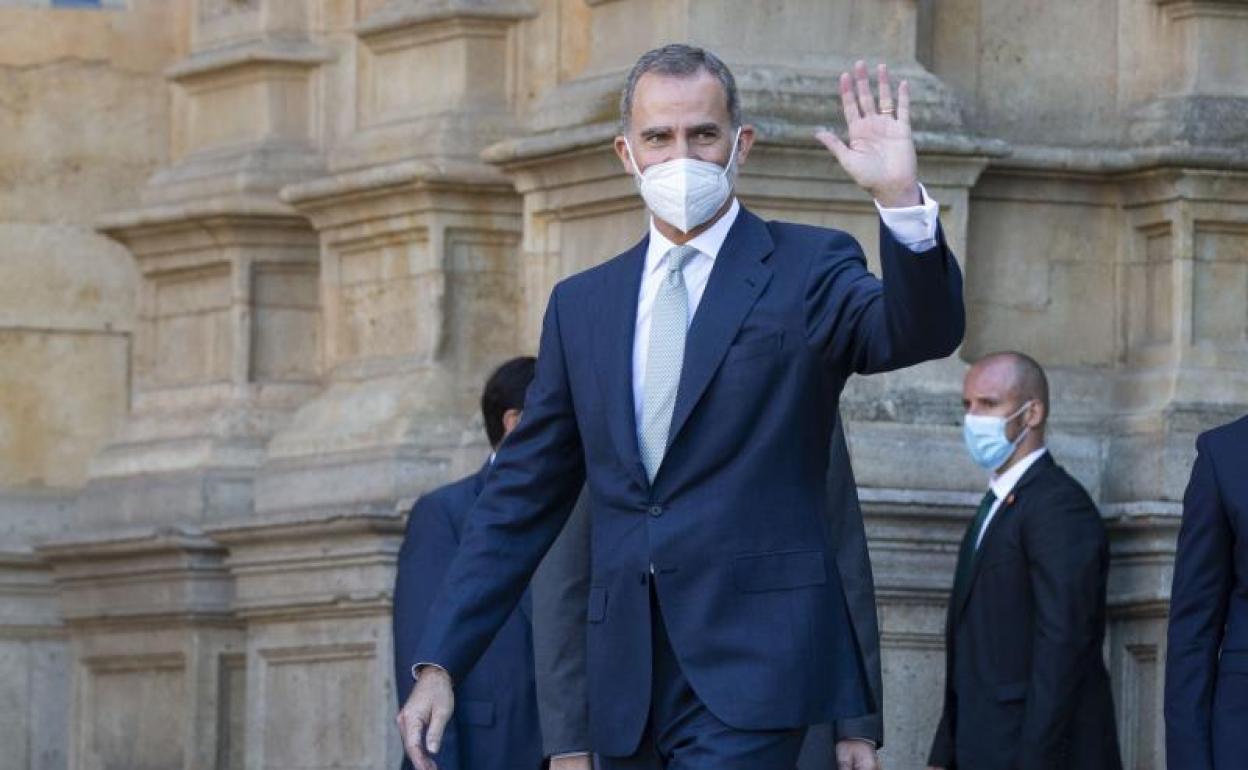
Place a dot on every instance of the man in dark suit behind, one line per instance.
(1207, 648)
(496, 724)
(693, 383)
(1026, 686)
(561, 590)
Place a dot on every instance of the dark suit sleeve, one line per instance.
(528, 495)
(865, 325)
(560, 590)
(1067, 554)
(942, 753)
(428, 546)
(853, 559)
(1203, 576)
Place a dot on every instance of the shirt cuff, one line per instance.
(570, 755)
(913, 226)
(867, 741)
(416, 667)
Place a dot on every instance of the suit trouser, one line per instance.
(683, 734)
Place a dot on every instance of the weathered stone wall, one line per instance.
(258, 255)
(84, 121)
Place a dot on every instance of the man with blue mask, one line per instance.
(1026, 687)
(692, 383)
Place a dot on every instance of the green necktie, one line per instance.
(966, 554)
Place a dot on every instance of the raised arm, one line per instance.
(917, 313)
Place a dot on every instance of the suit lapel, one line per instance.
(736, 281)
(994, 526)
(616, 318)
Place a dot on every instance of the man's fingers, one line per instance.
(437, 725)
(903, 102)
(849, 102)
(866, 102)
(413, 729)
(886, 89)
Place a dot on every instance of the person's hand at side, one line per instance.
(424, 716)
(856, 754)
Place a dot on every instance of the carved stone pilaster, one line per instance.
(315, 593)
(155, 647)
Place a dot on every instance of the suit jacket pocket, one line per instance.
(476, 712)
(1233, 662)
(779, 570)
(597, 604)
(1012, 692)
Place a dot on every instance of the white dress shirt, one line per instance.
(913, 226)
(1004, 484)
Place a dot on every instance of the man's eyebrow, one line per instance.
(655, 131)
(704, 127)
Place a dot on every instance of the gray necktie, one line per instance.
(669, 322)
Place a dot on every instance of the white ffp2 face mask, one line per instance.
(685, 192)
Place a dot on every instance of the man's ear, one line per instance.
(621, 150)
(1036, 414)
(745, 142)
(511, 418)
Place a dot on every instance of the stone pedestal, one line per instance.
(314, 592)
(34, 666)
(156, 651)
(914, 538)
(1142, 567)
(226, 347)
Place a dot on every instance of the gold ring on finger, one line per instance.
(890, 111)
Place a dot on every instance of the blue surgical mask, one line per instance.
(986, 441)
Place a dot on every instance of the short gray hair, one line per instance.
(679, 60)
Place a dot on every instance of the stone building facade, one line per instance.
(256, 257)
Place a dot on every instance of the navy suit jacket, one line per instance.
(733, 525)
(495, 725)
(1207, 649)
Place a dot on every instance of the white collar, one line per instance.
(1004, 484)
(708, 242)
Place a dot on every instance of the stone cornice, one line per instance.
(126, 226)
(1186, 9)
(126, 543)
(296, 52)
(399, 14)
(369, 181)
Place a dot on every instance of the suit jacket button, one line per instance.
(656, 510)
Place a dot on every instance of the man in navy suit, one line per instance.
(495, 726)
(692, 383)
(1207, 648)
